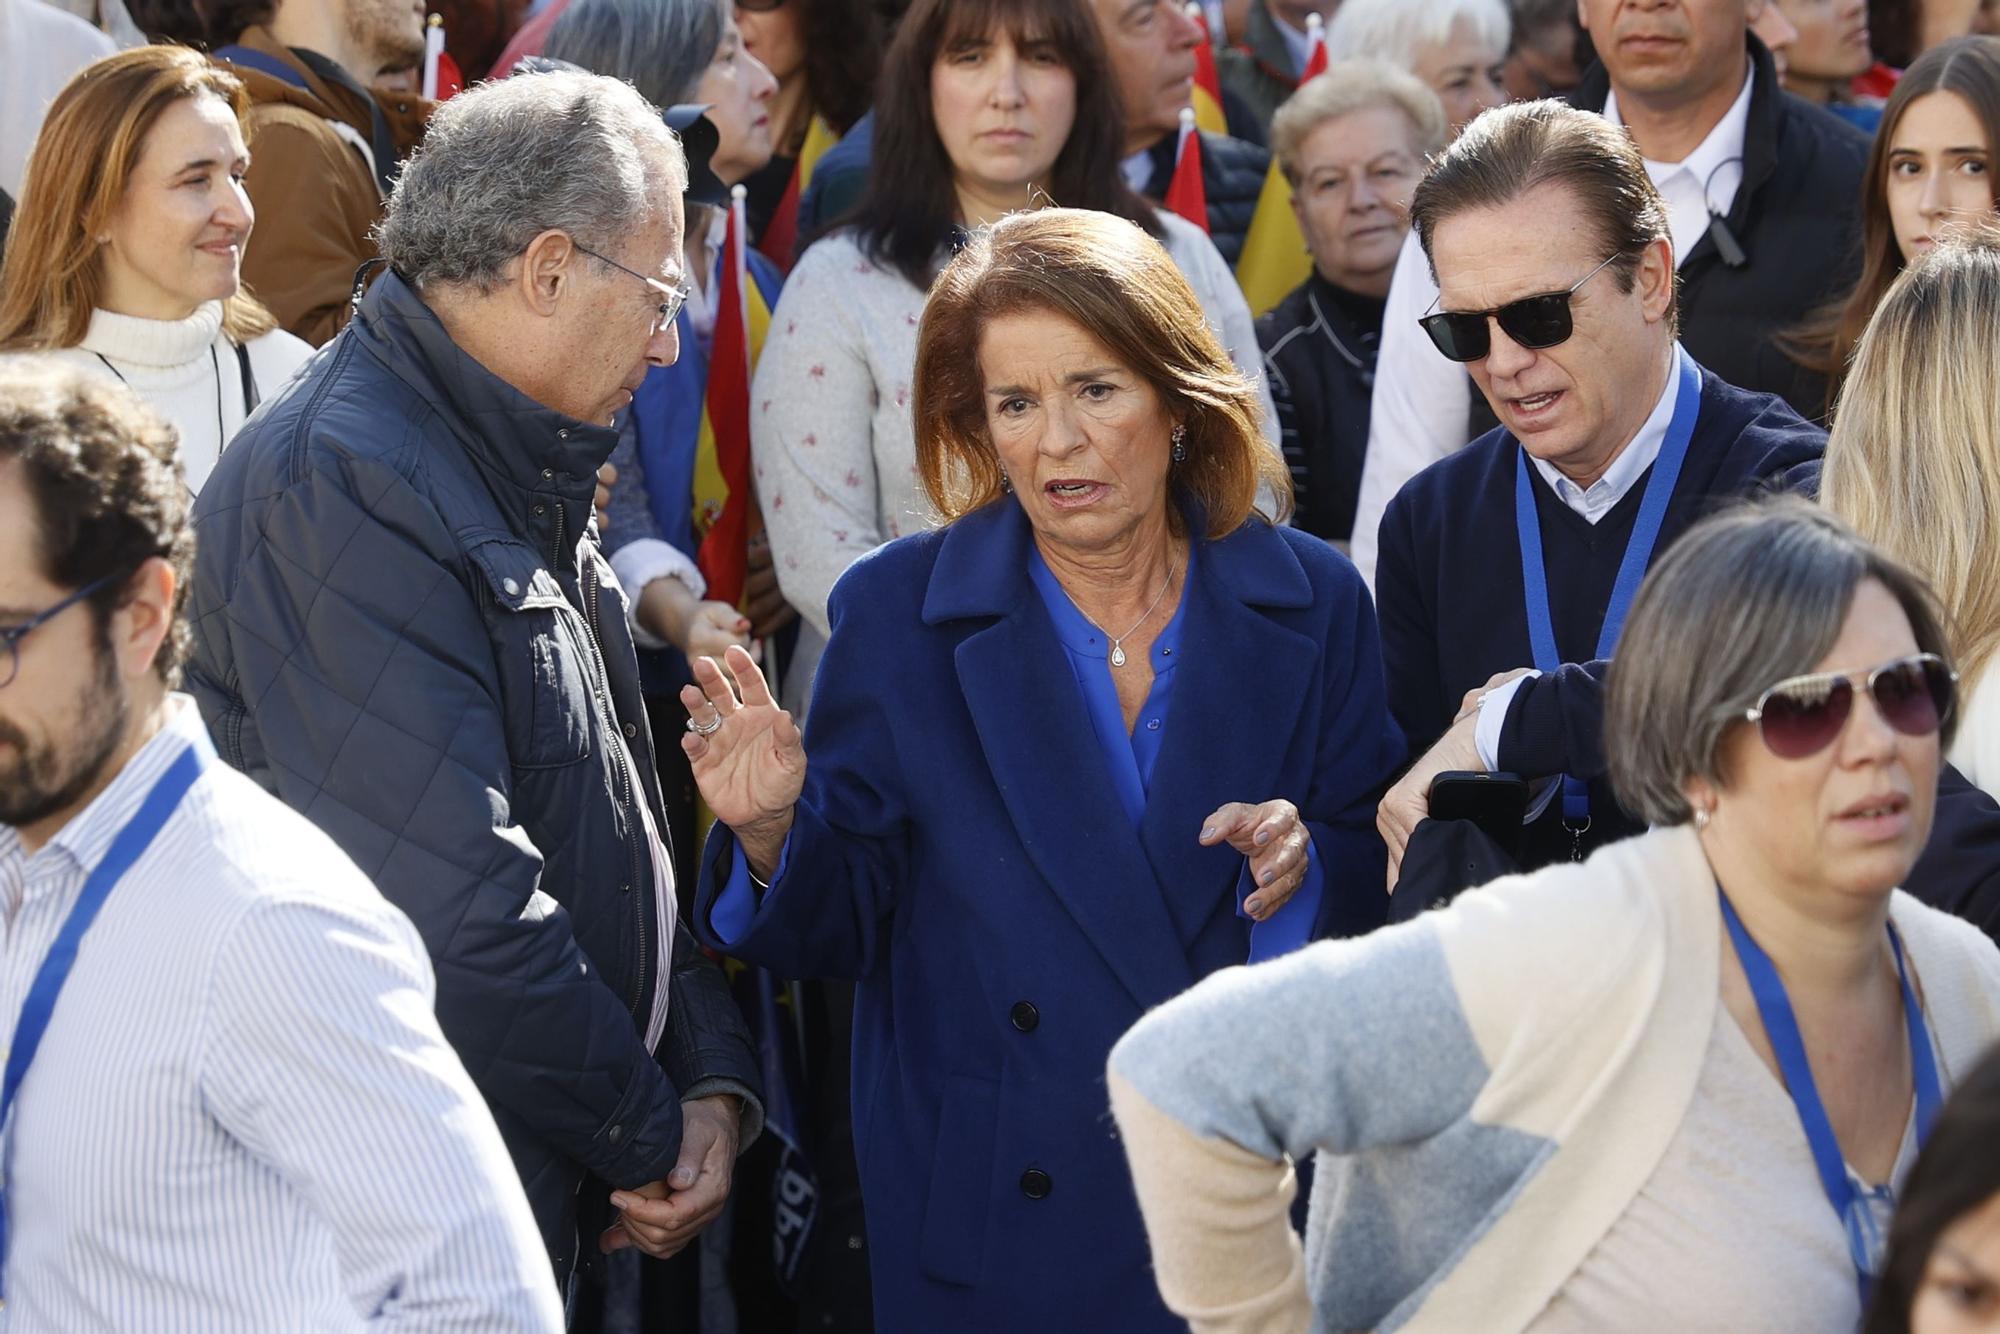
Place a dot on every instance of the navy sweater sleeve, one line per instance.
(1555, 724)
(1409, 626)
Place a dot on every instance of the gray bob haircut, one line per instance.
(1394, 30)
(503, 162)
(1350, 86)
(660, 46)
(1513, 150)
(1745, 599)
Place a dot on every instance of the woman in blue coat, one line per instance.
(1105, 732)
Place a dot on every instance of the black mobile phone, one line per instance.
(1493, 802)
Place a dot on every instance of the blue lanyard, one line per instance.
(126, 848)
(1631, 570)
(1774, 1007)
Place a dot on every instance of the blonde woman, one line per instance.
(1913, 461)
(126, 252)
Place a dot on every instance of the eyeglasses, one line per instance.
(676, 297)
(11, 636)
(1802, 716)
(1533, 322)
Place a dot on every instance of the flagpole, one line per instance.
(433, 48)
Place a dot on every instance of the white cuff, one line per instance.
(641, 561)
(1493, 706)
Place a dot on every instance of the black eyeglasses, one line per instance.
(1533, 322)
(676, 297)
(11, 636)
(1802, 716)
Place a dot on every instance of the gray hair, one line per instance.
(1764, 590)
(660, 46)
(503, 162)
(1392, 30)
(1351, 86)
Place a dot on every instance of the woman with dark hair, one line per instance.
(1932, 162)
(1037, 798)
(1942, 1275)
(987, 106)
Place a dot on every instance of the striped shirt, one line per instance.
(242, 1116)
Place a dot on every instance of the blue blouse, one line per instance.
(1129, 757)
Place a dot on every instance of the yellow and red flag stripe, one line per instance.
(1208, 112)
(723, 500)
(1274, 258)
(781, 233)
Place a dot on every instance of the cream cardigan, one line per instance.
(1488, 1088)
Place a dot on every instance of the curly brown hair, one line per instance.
(104, 472)
(1120, 286)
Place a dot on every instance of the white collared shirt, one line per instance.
(1706, 180)
(242, 1115)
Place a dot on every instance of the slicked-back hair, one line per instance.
(1763, 589)
(1514, 150)
(1121, 287)
(910, 207)
(659, 47)
(104, 474)
(501, 163)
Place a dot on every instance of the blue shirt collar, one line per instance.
(1084, 639)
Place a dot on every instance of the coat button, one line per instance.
(615, 1136)
(1024, 1016)
(1035, 1184)
(631, 730)
(509, 587)
(548, 474)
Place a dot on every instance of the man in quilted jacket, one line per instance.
(403, 627)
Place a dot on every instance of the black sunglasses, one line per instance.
(1802, 716)
(1533, 322)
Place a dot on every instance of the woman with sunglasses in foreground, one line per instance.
(1673, 1087)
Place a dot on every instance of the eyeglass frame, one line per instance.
(1755, 713)
(12, 635)
(1490, 317)
(677, 297)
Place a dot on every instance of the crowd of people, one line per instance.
(988, 665)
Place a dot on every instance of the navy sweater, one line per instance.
(1452, 605)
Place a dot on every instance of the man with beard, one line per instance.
(327, 147)
(228, 1106)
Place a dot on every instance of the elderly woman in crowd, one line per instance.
(1352, 143)
(1913, 461)
(1040, 795)
(1458, 48)
(1931, 169)
(1672, 1087)
(126, 255)
(988, 106)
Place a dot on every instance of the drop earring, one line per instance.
(1006, 483)
(1179, 438)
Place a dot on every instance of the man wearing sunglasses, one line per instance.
(227, 1104)
(1555, 269)
(404, 627)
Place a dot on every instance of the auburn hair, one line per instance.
(1121, 287)
(52, 275)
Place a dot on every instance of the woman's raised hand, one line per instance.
(1274, 840)
(752, 765)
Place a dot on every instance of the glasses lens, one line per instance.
(1802, 720)
(1459, 337)
(1914, 695)
(1537, 321)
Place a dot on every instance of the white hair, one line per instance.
(1393, 30)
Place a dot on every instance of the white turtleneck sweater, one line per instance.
(189, 373)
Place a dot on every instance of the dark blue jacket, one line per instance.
(402, 629)
(960, 852)
(1449, 575)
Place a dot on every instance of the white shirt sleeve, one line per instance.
(1420, 406)
(1493, 706)
(641, 561)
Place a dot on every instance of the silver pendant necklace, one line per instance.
(1118, 641)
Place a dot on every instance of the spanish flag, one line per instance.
(723, 503)
(1208, 113)
(781, 233)
(1186, 194)
(1274, 258)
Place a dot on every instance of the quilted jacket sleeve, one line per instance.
(351, 673)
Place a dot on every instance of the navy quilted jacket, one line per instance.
(402, 629)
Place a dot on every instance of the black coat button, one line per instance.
(1024, 1016)
(615, 1136)
(1035, 1184)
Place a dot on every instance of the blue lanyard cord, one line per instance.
(1774, 1008)
(1631, 570)
(126, 848)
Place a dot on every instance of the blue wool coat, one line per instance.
(960, 852)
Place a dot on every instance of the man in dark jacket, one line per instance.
(1556, 276)
(404, 628)
(1263, 69)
